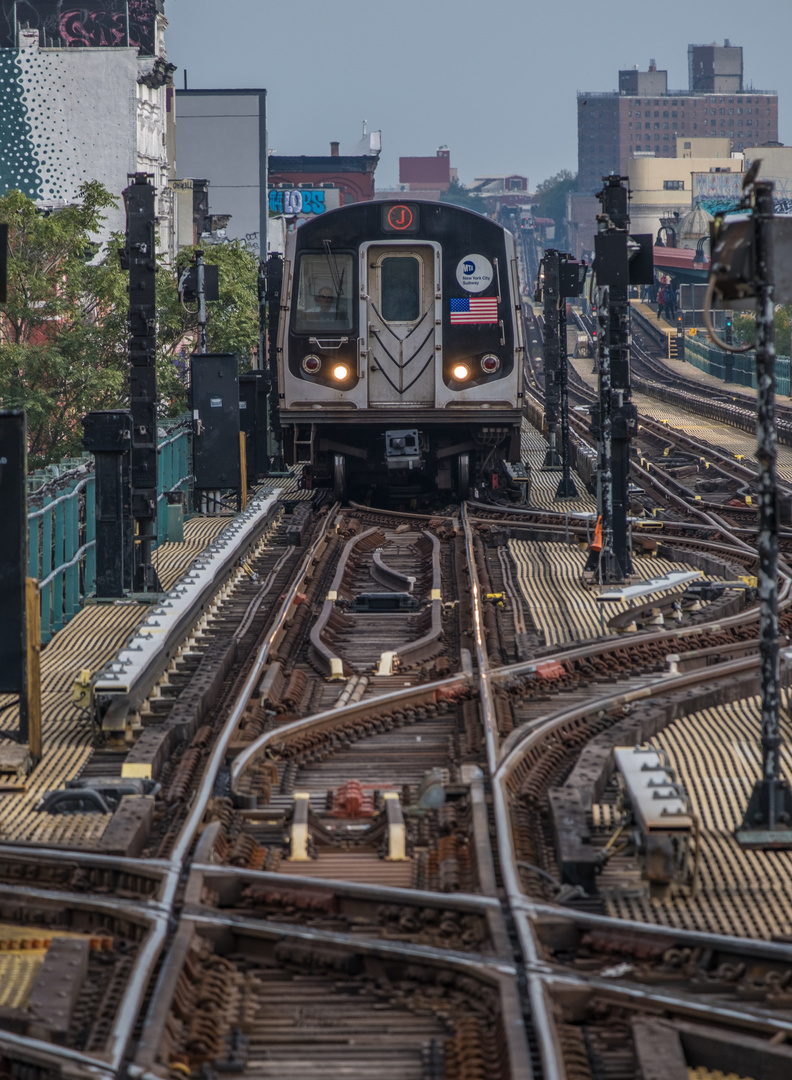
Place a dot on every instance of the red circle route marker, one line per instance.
(400, 217)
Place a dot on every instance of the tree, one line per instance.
(745, 328)
(550, 202)
(64, 332)
(459, 195)
(60, 353)
(232, 321)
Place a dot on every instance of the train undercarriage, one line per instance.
(409, 460)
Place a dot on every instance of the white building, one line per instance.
(90, 113)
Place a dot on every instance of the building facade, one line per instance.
(221, 137)
(86, 98)
(644, 117)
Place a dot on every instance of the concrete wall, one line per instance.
(70, 116)
(776, 166)
(79, 114)
(651, 201)
(691, 147)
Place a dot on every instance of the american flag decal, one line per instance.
(475, 309)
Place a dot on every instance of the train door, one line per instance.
(403, 326)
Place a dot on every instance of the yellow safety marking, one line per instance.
(136, 770)
(697, 498)
(81, 691)
(436, 594)
(748, 500)
(332, 595)
(751, 582)
(667, 451)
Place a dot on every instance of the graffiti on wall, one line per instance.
(88, 24)
(720, 185)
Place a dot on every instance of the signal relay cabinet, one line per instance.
(253, 402)
(215, 410)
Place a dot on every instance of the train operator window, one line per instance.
(324, 294)
(400, 288)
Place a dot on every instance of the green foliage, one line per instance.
(58, 356)
(744, 329)
(459, 195)
(550, 202)
(64, 333)
(233, 320)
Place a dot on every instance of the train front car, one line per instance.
(400, 348)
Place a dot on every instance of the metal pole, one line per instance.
(200, 276)
(566, 486)
(615, 197)
(550, 295)
(141, 257)
(605, 558)
(769, 813)
(274, 286)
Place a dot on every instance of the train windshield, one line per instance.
(400, 288)
(324, 294)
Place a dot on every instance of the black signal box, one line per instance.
(215, 409)
(13, 551)
(189, 284)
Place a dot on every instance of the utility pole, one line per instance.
(140, 260)
(571, 279)
(619, 261)
(200, 281)
(768, 817)
(562, 278)
(549, 286)
(274, 272)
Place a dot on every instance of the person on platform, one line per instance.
(661, 300)
(670, 301)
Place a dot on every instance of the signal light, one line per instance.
(340, 372)
(311, 364)
(460, 372)
(490, 363)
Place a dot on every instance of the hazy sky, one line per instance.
(494, 80)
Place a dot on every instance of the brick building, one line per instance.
(644, 118)
(427, 173)
(347, 178)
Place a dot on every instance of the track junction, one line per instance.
(346, 801)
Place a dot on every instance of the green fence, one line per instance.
(62, 525)
(743, 365)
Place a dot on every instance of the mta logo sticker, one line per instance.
(474, 273)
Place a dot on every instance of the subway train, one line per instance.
(400, 349)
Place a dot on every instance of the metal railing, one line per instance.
(62, 529)
(742, 368)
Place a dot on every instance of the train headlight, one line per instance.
(460, 372)
(340, 372)
(490, 364)
(311, 364)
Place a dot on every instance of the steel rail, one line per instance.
(269, 928)
(755, 947)
(548, 1048)
(660, 999)
(204, 792)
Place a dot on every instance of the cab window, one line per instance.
(324, 294)
(400, 288)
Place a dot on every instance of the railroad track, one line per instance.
(363, 742)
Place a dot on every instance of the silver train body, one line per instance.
(400, 347)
